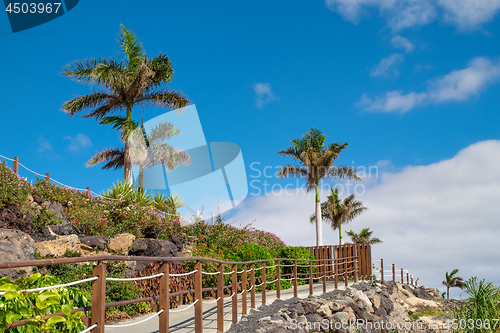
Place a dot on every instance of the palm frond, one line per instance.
(113, 157)
(131, 48)
(291, 171)
(81, 70)
(122, 124)
(110, 73)
(344, 172)
(161, 66)
(164, 98)
(96, 99)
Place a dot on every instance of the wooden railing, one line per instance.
(246, 279)
(396, 274)
(330, 252)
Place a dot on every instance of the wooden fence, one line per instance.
(246, 279)
(361, 251)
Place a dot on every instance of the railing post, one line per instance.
(411, 279)
(252, 285)
(47, 177)
(164, 298)
(295, 278)
(244, 291)
(393, 272)
(355, 269)
(198, 307)
(402, 276)
(336, 273)
(278, 283)
(407, 278)
(220, 302)
(264, 282)
(234, 288)
(16, 165)
(345, 272)
(382, 269)
(311, 291)
(99, 298)
(324, 275)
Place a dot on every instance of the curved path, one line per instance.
(183, 322)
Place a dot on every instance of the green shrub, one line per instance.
(296, 252)
(481, 311)
(13, 189)
(226, 236)
(16, 305)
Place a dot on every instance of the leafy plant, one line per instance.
(481, 311)
(364, 236)
(296, 252)
(17, 305)
(118, 86)
(316, 163)
(339, 212)
(453, 281)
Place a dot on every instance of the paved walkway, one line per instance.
(183, 322)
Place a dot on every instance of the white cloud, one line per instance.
(469, 14)
(402, 14)
(402, 43)
(393, 101)
(458, 85)
(264, 94)
(387, 66)
(78, 142)
(44, 145)
(411, 13)
(432, 218)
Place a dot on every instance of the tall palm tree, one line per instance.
(146, 150)
(315, 163)
(364, 236)
(132, 81)
(453, 281)
(339, 212)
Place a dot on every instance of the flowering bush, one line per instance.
(13, 189)
(226, 236)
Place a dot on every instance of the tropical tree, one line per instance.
(453, 281)
(339, 212)
(364, 236)
(120, 85)
(146, 150)
(315, 163)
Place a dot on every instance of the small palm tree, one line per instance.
(146, 150)
(316, 163)
(453, 281)
(339, 212)
(364, 236)
(121, 85)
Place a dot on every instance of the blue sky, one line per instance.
(406, 83)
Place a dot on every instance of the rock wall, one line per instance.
(16, 245)
(364, 307)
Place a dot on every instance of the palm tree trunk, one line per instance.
(319, 231)
(141, 178)
(127, 163)
(447, 292)
(341, 239)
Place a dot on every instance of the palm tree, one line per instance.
(364, 236)
(146, 150)
(121, 85)
(453, 281)
(339, 212)
(316, 163)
